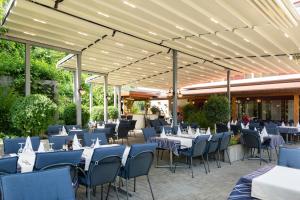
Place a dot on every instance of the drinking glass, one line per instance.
(51, 147)
(93, 142)
(21, 148)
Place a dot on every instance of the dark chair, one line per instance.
(57, 159)
(138, 163)
(109, 132)
(88, 137)
(132, 124)
(223, 146)
(123, 130)
(129, 117)
(156, 124)
(8, 165)
(48, 184)
(212, 148)
(104, 168)
(221, 128)
(54, 129)
(197, 150)
(289, 157)
(251, 140)
(12, 145)
(194, 125)
(112, 126)
(163, 122)
(59, 141)
(235, 129)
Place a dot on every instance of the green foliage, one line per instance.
(7, 99)
(188, 109)
(69, 114)
(98, 113)
(216, 109)
(155, 110)
(33, 113)
(113, 112)
(199, 118)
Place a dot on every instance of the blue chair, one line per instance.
(123, 129)
(58, 159)
(70, 127)
(12, 145)
(109, 132)
(148, 133)
(197, 150)
(8, 165)
(104, 168)
(138, 163)
(289, 157)
(87, 138)
(48, 184)
(212, 147)
(54, 129)
(59, 141)
(223, 146)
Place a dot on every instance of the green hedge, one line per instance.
(98, 113)
(69, 114)
(113, 112)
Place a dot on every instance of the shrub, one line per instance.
(69, 114)
(216, 109)
(98, 113)
(113, 112)
(199, 118)
(33, 113)
(188, 109)
(7, 99)
(155, 110)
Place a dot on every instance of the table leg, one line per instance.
(287, 138)
(171, 160)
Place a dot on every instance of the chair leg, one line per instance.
(101, 192)
(94, 191)
(116, 188)
(219, 158)
(134, 184)
(260, 158)
(203, 163)
(108, 191)
(228, 156)
(88, 193)
(162, 153)
(150, 187)
(126, 183)
(191, 164)
(215, 155)
(157, 156)
(207, 163)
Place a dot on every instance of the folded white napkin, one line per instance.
(63, 131)
(178, 131)
(190, 131)
(235, 122)
(97, 143)
(76, 145)
(255, 129)
(228, 125)
(41, 147)
(28, 145)
(197, 132)
(232, 122)
(208, 131)
(283, 124)
(247, 126)
(263, 134)
(298, 125)
(242, 125)
(163, 133)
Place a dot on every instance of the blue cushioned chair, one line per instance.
(212, 147)
(12, 145)
(138, 163)
(223, 146)
(109, 132)
(87, 138)
(48, 160)
(197, 150)
(8, 165)
(59, 141)
(289, 157)
(104, 168)
(148, 133)
(54, 129)
(48, 184)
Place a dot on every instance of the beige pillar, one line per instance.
(296, 109)
(233, 109)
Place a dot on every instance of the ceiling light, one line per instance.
(116, 64)
(40, 21)
(129, 58)
(152, 33)
(212, 55)
(152, 63)
(28, 33)
(252, 61)
(180, 28)
(103, 14)
(69, 43)
(236, 53)
(81, 33)
(119, 44)
(246, 40)
(92, 58)
(83, 64)
(127, 72)
(290, 57)
(168, 58)
(188, 46)
(105, 52)
(144, 75)
(214, 43)
(279, 61)
(265, 51)
(214, 20)
(286, 35)
(129, 4)
(138, 68)
(144, 51)
(184, 62)
(169, 67)
(155, 71)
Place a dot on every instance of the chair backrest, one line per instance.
(123, 129)
(251, 139)
(194, 125)
(105, 165)
(289, 157)
(199, 146)
(225, 141)
(54, 129)
(59, 141)
(57, 158)
(132, 124)
(163, 122)
(139, 160)
(48, 184)
(213, 143)
(148, 133)
(8, 165)
(221, 128)
(110, 125)
(87, 138)
(70, 127)
(12, 145)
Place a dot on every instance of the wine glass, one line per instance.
(51, 147)
(21, 147)
(93, 142)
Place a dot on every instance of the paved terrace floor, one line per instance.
(180, 185)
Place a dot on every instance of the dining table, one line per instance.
(288, 130)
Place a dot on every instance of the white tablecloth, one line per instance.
(184, 141)
(277, 184)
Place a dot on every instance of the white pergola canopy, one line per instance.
(130, 41)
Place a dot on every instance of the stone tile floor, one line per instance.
(180, 185)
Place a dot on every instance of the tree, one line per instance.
(112, 112)
(216, 109)
(69, 114)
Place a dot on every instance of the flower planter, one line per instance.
(235, 152)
